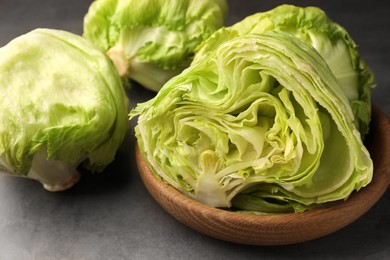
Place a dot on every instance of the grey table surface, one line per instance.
(112, 216)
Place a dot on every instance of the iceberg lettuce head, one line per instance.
(62, 105)
(260, 123)
(151, 41)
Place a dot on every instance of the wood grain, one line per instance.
(278, 229)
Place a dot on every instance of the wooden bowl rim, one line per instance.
(263, 226)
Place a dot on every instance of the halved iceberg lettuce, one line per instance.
(260, 123)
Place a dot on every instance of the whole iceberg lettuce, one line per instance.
(151, 41)
(62, 105)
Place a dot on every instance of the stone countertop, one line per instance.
(112, 216)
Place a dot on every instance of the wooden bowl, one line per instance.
(278, 229)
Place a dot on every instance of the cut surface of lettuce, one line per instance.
(331, 40)
(151, 41)
(62, 104)
(260, 123)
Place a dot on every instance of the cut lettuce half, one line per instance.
(259, 120)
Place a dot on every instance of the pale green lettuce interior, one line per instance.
(331, 40)
(259, 123)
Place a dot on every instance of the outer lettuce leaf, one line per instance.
(332, 41)
(151, 41)
(262, 115)
(62, 103)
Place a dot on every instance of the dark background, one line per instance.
(112, 216)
